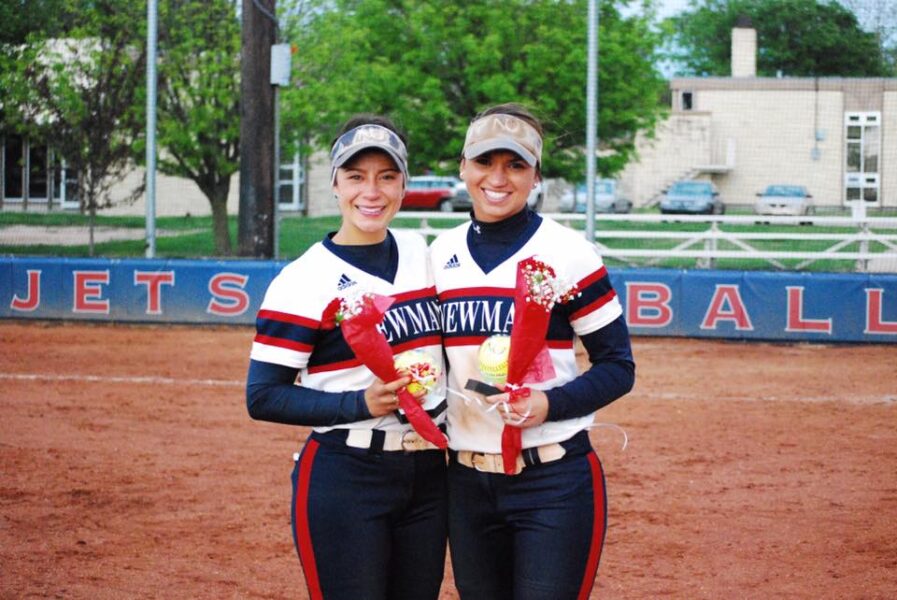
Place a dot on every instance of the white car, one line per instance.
(784, 200)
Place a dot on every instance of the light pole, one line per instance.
(152, 35)
(591, 118)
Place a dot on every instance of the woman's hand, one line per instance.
(525, 412)
(381, 398)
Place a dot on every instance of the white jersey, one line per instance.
(476, 305)
(289, 331)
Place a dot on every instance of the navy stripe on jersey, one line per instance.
(596, 291)
(470, 315)
(411, 322)
(284, 330)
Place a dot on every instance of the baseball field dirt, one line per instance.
(130, 469)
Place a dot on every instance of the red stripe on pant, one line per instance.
(303, 533)
(597, 527)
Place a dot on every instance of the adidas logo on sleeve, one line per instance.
(344, 282)
(452, 262)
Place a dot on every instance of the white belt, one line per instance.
(406, 441)
(493, 463)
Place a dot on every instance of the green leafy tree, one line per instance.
(797, 37)
(433, 65)
(198, 100)
(880, 18)
(78, 94)
(41, 18)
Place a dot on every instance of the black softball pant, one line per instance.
(369, 525)
(536, 535)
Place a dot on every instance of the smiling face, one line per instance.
(369, 189)
(499, 183)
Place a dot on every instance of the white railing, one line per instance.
(874, 239)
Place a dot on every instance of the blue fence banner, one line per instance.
(816, 307)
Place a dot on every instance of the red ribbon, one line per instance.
(370, 347)
(528, 358)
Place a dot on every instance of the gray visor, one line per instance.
(368, 137)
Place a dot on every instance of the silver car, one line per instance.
(784, 200)
(607, 198)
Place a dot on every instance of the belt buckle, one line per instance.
(478, 461)
(411, 441)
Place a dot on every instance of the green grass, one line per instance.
(193, 239)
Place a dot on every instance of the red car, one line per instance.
(430, 192)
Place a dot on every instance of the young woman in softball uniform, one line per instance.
(538, 533)
(369, 494)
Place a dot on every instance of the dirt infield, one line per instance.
(130, 469)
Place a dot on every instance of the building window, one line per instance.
(13, 167)
(32, 173)
(862, 138)
(289, 184)
(686, 100)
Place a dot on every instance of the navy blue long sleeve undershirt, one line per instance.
(271, 395)
(611, 375)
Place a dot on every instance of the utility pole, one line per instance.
(256, 220)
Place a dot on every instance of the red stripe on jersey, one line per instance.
(432, 340)
(336, 366)
(476, 291)
(267, 340)
(415, 294)
(594, 305)
(303, 531)
(559, 344)
(598, 527)
(288, 318)
(590, 279)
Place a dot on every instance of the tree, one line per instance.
(795, 37)
(79, 95)
(19, 20)
(879, 17)
(433, 65)
(199, 100)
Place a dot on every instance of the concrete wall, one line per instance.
(681, 142)
(320, 192)
(783, 130)
(175, 197)
(775, 135)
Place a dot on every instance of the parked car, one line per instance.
(784, 200)
(607, 198)
(692, 197)
(461, 198)
(430, 192)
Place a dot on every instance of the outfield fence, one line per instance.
(805, 243)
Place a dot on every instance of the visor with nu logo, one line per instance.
(503, 132)
(365, 137)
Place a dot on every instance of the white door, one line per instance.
(862, 135)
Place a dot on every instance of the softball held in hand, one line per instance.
(420, 365)
(492, 359)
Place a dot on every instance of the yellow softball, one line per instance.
(492, 359)
(422, 368)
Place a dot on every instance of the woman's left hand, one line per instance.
(525, 412)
